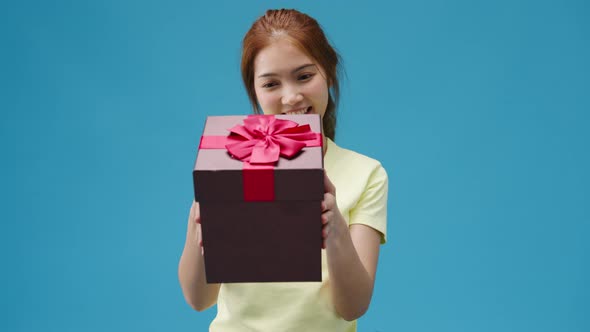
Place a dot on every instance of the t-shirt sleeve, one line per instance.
(371, 209)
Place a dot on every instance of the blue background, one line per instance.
(477, 109)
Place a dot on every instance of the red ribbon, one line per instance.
(262, 139)
(259, 143)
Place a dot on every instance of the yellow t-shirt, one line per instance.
(361, 195)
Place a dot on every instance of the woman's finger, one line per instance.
(327, 216)
(196, 212)
(325, 203)
(326, 231)
(328, 202)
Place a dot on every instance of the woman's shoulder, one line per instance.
(343, 157)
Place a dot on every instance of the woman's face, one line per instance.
(287, 81)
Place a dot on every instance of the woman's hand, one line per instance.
(191, 268)
(196, 221)
(334, 225)
(351, 256)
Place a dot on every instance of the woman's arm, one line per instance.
(352, 259)
(191, 268)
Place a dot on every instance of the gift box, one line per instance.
(259, 181)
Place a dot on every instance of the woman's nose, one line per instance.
(292, 97)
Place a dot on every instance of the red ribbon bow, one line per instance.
(262, 139)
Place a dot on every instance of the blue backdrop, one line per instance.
(477, 109)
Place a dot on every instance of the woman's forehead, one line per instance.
(280, 57)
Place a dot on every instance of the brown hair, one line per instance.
(307, 35)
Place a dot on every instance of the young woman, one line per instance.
(288, 67)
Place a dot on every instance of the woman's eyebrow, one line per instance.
(292, 72)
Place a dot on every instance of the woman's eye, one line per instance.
(269, 85)
(305, 77)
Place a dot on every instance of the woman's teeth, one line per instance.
(297, 112)
(301, 111)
